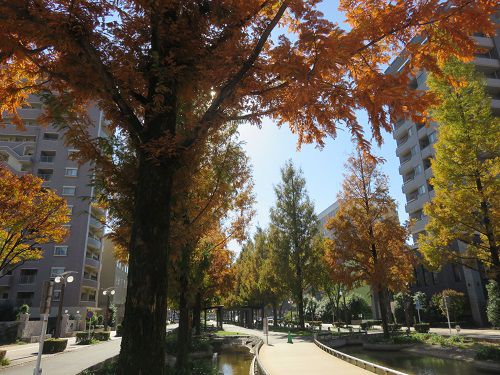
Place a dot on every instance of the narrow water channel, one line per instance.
(413, 363)
(234, 361)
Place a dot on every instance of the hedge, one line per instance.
(486, 353)
(394, 327)
(54, 345)
(422, 327)
(102, 336)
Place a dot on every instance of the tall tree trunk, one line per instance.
(490, 233)
(300, 307)
(183, 336)
(197, 315)
(383, 310)
(145, 306)
(275, 315)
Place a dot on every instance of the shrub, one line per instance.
(394, 327)
(24, 309)
(422, 327)
(369, 324)
(100, 320)
(81, 337)
(493, 307)
(102, 336)
(4, 362)
(488, 352)
(54, 345)
(119, 330)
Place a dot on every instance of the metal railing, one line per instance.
(369, 366)
(256, 368)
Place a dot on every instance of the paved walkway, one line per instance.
(304, 358)
(69, 362)
(301, 357)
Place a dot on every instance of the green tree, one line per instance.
(493, 307)
(294, 232)
(466, 169)
(455, 302)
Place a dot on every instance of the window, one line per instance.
(25, 298)
(433, 137)
(71, 172)
(418, 169)
(68, 190)
(424, 274)
(421, 190)
(435, 279)
(47, 156)
(50, 136)
(414, 150)
(61, 251)
(411, 131)
(28, 276)
(45, 174)
(456, 273)
(4, 295)
(56, 271)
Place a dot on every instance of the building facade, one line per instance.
(415, 151)
(42, 151)
(113, 277)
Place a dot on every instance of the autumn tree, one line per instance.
(293, 231)
(369, 243)
(30, 216)
(466, 169)
(166, 73)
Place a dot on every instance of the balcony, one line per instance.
(483, 42)
(94, 242)
(6, 280)
(493, 85)
(86, 303)
(495, 107)
(89, 283)
(95, 223)
(29, 113)
(486, 65)
(47, 159)
(417, 203)
(45, 176)
(92, 262)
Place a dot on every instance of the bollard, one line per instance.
(289, 338)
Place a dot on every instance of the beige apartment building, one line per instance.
(415, 151)
(42, 151)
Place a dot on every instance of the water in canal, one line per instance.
(234, 361)
(412, 363)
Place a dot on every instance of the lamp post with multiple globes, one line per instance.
(65, 277)
(107, 292)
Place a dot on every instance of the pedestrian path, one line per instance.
(302, 357)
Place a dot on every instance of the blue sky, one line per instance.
(270, 147)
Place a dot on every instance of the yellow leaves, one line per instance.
(29, 216)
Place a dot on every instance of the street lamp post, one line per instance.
(107, 292)
(65, 277)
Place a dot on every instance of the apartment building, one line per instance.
(415, 151)
(42, 151)
(113, 277)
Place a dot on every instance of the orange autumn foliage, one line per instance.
(30, 216)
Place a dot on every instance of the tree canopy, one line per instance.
(30, 216)
(466, 169)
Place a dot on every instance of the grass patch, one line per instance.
(294, 331)
(488, 352)
(4, 362)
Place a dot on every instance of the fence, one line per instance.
(377, 369)
(256, 368)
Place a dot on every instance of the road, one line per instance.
(73, 360)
